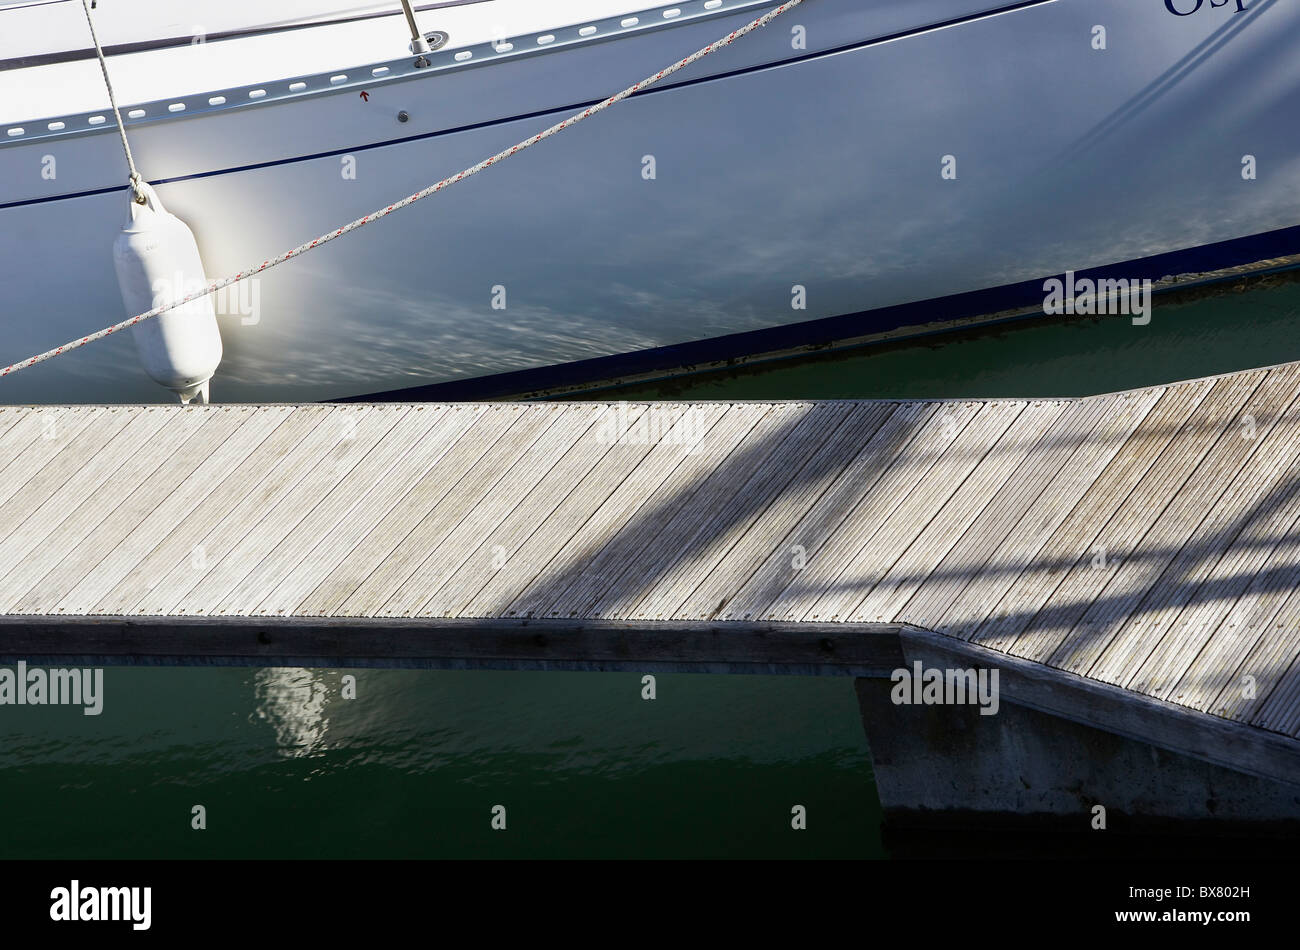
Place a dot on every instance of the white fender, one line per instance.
(157, 261)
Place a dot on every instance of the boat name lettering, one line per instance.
(1173, 5)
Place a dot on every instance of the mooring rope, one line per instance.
(418, 44)
(134, 177)
(216, 285)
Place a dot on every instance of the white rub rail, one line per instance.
(263, 93)
(213, 286)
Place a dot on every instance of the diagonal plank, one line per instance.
(231, 559)
(1144, 535)
(659, 485)
(500, 543)
(739, 505)
(231, 525)
(1216, 561)
(87, 486)
(590, 507)
(642, 557)
(1019, 518)
(872, 462)
(143, 495)
(377, 504)
(884, 547)
(1070, 541)
(536, 466)
(473, 484)
(180, 538)
(925, 446)
(768, 535)
(337, 504)
(954, 518)
(412, 523)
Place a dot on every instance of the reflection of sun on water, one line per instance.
(292, 701)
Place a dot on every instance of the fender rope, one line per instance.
(112, 100)
(216, 285)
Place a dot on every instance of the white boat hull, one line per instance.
(775, 168)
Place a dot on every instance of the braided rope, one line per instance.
(432, 189)
(112, 100)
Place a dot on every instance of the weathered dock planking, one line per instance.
(1139, 547)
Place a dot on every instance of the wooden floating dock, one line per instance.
(1131, 561)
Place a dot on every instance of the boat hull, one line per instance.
(777, 187)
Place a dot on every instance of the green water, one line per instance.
(285, 766)
(1226, 329)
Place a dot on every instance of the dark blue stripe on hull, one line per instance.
(828, 330)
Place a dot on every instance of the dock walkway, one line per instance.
(1144, 543)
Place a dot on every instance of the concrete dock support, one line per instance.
(949, 764)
